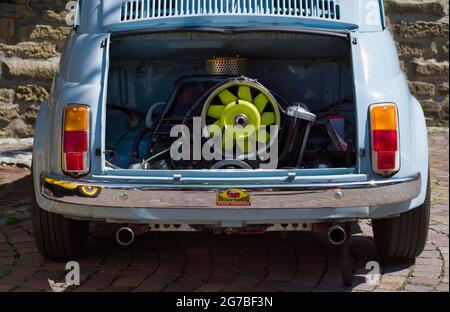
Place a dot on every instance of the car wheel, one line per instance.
(403, 237)
(57, 237)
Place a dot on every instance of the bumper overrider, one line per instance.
(129, 194)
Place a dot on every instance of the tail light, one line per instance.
(385, 138)
(76, 139)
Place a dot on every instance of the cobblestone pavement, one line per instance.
(204, 262)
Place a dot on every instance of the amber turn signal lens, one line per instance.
(76, 118)
(383, 116)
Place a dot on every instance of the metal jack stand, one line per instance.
(346, 258)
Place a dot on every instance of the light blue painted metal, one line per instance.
(378, 79)
(83, 72)
(99, 16)
(120, 15)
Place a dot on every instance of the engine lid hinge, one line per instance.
(104, 43)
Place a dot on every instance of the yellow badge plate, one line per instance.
(233, 197)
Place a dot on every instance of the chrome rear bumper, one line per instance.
(312, 195)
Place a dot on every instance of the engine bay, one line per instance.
(235, 101)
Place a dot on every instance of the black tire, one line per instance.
(403, 237)
(57, 237)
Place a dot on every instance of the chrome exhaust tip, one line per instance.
(125, 236)
(337, 235)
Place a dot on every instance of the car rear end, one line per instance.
(345, 131)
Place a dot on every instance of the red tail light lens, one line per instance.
(385, 138)
(74, 162)
(76, 139)
(386, 161)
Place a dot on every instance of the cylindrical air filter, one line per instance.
(224, 66)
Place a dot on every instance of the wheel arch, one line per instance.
(40, 158)
(419, 156)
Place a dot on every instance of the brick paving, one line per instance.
(207, 262)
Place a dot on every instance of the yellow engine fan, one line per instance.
(240, 112)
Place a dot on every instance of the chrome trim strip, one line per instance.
(288, 195)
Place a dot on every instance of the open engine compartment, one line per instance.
(300, 84)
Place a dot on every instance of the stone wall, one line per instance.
(32, 34)
(420, 28)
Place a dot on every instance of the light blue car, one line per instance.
(315, 84)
